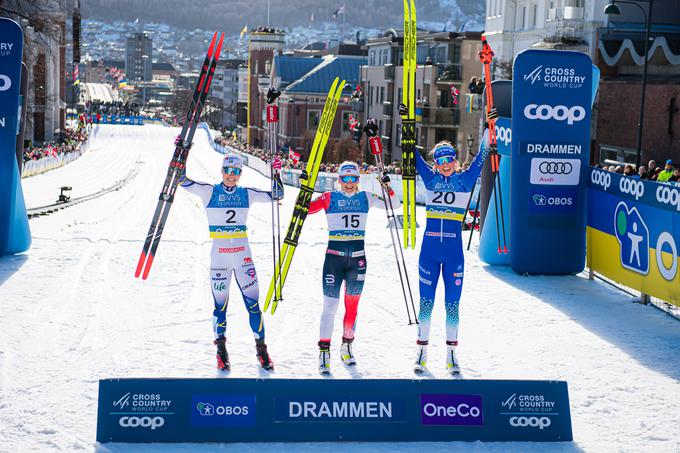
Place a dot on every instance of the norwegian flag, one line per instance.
(295, 157)
(454, 94)
(51, 151)
(353, 123)
(276, 163)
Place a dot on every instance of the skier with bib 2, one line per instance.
(226, 205)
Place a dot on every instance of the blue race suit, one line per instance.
(442, 247)
(227, 211)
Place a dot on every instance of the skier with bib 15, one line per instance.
(346, 212)
(226, 206)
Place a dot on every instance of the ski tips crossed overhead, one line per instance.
(178, 162)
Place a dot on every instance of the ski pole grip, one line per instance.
(376, 145)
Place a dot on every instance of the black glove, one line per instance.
(492, 114)
(403, 110)
(272, 94)
(371, 128)
(385, 179)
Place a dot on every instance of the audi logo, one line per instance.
(555, 168)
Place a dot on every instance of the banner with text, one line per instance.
(318, 410)
(634, 233)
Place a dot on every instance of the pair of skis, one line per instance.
(177, 165)
(371, 131)
(308, 180)
(486, 57)
(407, 110)
(275, 173)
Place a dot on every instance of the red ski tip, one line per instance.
(212, 45)
(147, 268)
(500, 250)
(140, 264)
(219, 47)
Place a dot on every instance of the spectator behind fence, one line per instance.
(642, 172)
(628, 170)
(666, 173)
(472, 87)
(651, 169)
(676, 174)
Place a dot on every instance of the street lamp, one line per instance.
(612, 9)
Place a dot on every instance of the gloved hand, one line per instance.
(492, 114)
(371, 128)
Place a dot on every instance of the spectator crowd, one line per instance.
(289, 162)
(72, 138)
(669, 172)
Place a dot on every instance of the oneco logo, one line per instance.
(631, 186)
(557, 113)
(530, 422)
(5, 83)
(141, 422)
(601, 178)
(461, 410)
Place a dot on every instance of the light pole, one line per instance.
(613, 10)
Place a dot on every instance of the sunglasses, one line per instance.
(232, 171)
(444, 160)
(348, 179)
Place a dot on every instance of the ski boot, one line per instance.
(451, 361)
(263, 355)
(346, 352)
(421, 357)
(324, 357)
(222, 356)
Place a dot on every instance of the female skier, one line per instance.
(442, 249)
(346, 212)
(226, 205)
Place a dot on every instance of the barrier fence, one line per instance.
(325, 181)
(633, 233)
(36, 167)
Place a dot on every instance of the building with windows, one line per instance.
(138, 55)
(224, 91)
(445, 60)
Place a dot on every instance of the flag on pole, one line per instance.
(340, 10)
(243, 32)
(76, 75)
(454, 94)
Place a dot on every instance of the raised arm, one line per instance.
(322, 202)
(469, 176)
(263, 196)
(200, 189)
(423, 168)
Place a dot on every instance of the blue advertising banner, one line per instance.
(551, 106)
(319, 410)
(14, 230)
(634, 233)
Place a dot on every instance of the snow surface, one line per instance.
(73, 313)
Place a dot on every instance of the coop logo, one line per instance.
(601, 178)
(223, 410)
(558, 113)
(451, 410)
(504, 135)
(141, 422)
(668, 195)
(530, 422)
(563, 172)
(142, 402)
(5, 83)
(633, 187)
(633, 236)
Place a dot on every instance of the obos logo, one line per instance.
(558, 113)
(631, 186)
(601, 178)
(5, 83)
(504, 134)
(633, 237)
(668, 195)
